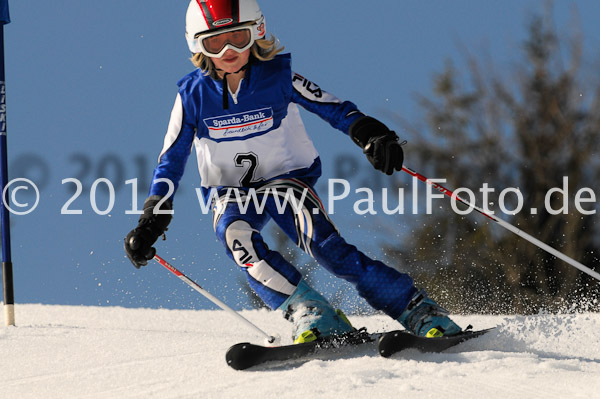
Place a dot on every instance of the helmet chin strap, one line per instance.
(226, 87)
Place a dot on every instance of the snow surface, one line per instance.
(111, 352)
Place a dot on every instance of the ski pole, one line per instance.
(506, 225)
(270, 339)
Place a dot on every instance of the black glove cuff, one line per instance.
(156, 217)
(365, 128)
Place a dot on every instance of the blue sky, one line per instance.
(90, 86)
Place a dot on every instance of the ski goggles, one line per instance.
(215, 44)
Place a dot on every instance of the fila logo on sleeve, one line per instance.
(312, 91)
(310, 87)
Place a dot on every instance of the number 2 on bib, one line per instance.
(249, 161)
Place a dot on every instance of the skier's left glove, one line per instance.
(379, 144)
(151, 225)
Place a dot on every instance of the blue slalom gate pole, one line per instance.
(7, 270)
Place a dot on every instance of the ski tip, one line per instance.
(384, 342)
(236, 356)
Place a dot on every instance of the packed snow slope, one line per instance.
(97, 352)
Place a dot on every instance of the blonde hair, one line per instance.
(262, 50)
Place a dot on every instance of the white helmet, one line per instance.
(205, 16)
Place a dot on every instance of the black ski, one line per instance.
(245, 355)
(396, 341)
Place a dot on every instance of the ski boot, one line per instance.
(312, 315)
(426, 318)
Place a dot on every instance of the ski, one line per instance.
(245, 355)
(396, 341)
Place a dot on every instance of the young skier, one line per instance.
(239, 110)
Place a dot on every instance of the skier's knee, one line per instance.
(238, 236)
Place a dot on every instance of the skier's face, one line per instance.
(232, 61)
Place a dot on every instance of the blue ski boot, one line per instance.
(426, 318)
(312, 315)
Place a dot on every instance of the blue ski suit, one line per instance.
(255, 156)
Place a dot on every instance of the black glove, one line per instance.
(379, 144)
(139, 241)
